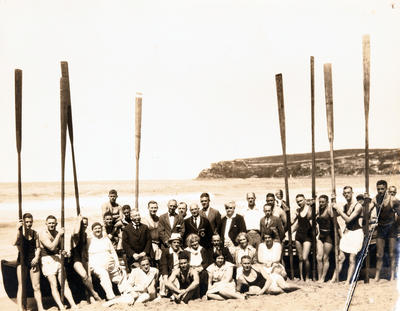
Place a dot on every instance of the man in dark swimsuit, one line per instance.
(252, 281)
(188, 279)
(386, 207)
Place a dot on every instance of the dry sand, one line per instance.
(312, 296)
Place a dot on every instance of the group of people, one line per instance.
(201, 255)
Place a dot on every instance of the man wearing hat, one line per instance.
(169, 260)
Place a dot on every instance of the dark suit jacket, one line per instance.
(204, 231)
(238, 225)
(165, 230)
(275, 224)
(214, 217)
(166, 262)
(225, 251)
(136, 240)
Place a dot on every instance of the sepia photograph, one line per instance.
(199, 155)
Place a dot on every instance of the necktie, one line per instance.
(195, 221)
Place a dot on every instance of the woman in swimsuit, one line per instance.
(302, 224)
(253, 280)
(325, 238)
(28, 260)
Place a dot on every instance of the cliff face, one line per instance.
(347, 162)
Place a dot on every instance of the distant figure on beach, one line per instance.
(213, 215)
(325, 236)
(386, 206)
(276, 210)
(199, 225)
(302, 227)
(353, 236)
(182, 209)
(50, 242)
(184, 281)
(151, 220)
(252, 216)
(112, 206)
(80, 258)
(169, 223)
(28, 261)
(136, 240)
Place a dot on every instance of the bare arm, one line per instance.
(357, 211)
(170, 282)
(46, 242)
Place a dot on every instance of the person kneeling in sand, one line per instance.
(221, 285)
(142, 282)
(188, 279)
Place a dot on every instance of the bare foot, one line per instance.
(321, 281)
(377, 279)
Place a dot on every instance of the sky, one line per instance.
(207, 73)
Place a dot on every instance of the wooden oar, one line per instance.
(313, 192)
(65, 74)
(366, 66)
(281, 110)
(138, 133)
(18, 132)
(329, 118)
(63, 119)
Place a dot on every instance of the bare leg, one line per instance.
(231, 294)
(87, 281)
(338, 269)
(320, 256)
(306, 252)
(21, 293)
(327, 250)
(35, 278)
(67, 292)
(299, 249)
(352, 267)
(54, 291)
(215, 297)
(380, 246)
(392, 247)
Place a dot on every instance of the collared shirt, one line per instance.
(252, 218)
(171, 219)
(140, 280)
(228, 226)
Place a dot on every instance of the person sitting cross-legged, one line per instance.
(188, 281)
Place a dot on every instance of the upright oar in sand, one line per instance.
(18, 132)
(138, 131)
(366, 66)
(63, 119)
(65, 74)
(281, 110)
(368, 233)
(329, 118)
(313, 192)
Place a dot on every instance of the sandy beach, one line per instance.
(42, 199)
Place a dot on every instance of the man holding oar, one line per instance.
(386, 207)
(50, 240)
